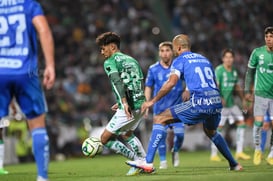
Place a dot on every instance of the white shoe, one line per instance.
(146, 167)
(39, 178)
(238, 167)
(175, 159)
(163, 164)
(133, 171)
(4, 122)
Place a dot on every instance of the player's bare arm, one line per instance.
(47, 44)
(171, 82)
(114, 107)
(147, 93)
(248, 81)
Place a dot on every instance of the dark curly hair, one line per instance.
(107, 38)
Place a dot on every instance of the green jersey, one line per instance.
(226, 81)
(131, 76)
(262, 61)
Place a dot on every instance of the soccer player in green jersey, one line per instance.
(227, 80)
(260, 65)
(126, 79)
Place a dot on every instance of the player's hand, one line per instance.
(49, 77)
(249, 97)
(146, 114)
(146, 105)
(114, 107)
(186, 95)
(223, 102)
(128, 111)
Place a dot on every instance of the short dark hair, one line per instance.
(268, 30)
(227, 50)
(107, 38)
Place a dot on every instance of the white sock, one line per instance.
(240, 132)
(2, 148)
(136, 145)
(257, 136)
(214, 149)
(270, 155)
(120, 148)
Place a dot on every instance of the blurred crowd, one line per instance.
(82, 90)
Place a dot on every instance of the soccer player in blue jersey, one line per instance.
(158, 74)
(20, 23)
(204, 105)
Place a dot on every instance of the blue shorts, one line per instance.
(208, 115)
(28, 93)
(177, 127)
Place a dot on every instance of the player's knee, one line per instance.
(127, 135)
(179, 135)
(209, 133)
(266, 126)
(104, 139)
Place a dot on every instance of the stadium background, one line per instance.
(82, 94)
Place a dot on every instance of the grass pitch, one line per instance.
(195, 166)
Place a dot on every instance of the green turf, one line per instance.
(195, 166)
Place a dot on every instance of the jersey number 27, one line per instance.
(19, 22)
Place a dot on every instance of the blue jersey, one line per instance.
(200, 80)
(156, 77)
(18, 41)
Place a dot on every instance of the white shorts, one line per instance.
(119, 123)
(232, 114)
(263, 105)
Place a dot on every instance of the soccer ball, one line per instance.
(91, 147)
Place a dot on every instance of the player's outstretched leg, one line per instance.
(178, 141)
(240, 133)
(40, 147)
(270, 156)
(162, 151)
(257, 128)
(147, 165)
(214, 151)
(118, 147)
(221, 144)
(137, 147)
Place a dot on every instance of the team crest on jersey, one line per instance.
(108, 69)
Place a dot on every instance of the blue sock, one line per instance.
(40, 148)
(221, 144)
(156, 136)
(178, 141)
(178, 138)
(162, 149)
(263, 139)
